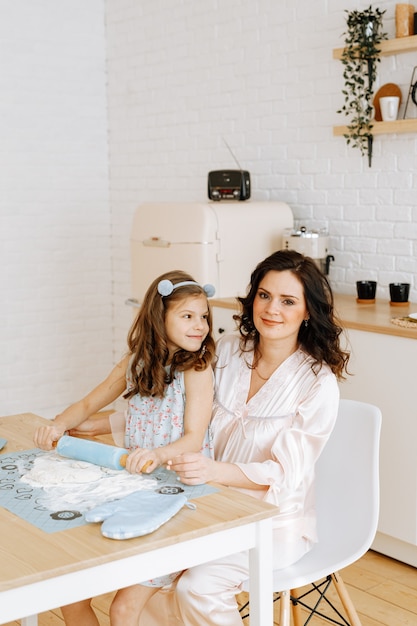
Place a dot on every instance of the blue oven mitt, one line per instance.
(137, 514)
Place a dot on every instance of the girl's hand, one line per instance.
(143, 460)
(46, 436)
(193, 468)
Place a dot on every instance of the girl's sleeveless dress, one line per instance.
(152, 422)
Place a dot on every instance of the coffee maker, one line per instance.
(313, 243)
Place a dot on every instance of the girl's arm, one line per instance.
(199, 391)
(102, 395)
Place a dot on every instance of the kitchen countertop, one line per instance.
(374, 318)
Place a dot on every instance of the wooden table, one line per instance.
(41, 571)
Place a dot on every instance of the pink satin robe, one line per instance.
(275, 438)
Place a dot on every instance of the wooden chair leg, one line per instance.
(296, 610)
(345, 599)
(284, 613)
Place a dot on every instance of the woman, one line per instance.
(276, 404)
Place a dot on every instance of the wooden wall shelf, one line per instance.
(389, 46)
(381, 128)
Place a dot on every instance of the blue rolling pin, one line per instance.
(92, 452)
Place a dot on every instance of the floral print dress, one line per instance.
(153, 422)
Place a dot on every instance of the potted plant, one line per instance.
(360, 58)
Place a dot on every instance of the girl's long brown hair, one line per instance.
(147, 339)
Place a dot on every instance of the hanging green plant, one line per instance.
(360, 58)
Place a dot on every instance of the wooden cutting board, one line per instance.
(389, 89)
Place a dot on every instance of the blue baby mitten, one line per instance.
(137, 514)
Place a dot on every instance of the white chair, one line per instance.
(347, 504)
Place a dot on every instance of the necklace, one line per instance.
(269, 367)
(259, 375)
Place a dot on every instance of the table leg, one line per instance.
(260, 572)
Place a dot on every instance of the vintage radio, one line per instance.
(229, 185)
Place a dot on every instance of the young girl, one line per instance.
(168, 381)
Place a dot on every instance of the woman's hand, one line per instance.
(143, 460)
(92, 426)
(193, 468)
(45, 436)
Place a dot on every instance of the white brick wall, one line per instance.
(182, 75)
(55, 259)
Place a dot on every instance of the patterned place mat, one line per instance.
(36, 506)
(405, 322)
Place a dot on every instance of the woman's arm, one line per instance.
(102, 395)
(195, 469)
(198, 405)
(287, 459)
(97, 424)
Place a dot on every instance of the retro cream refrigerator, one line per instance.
(216, 242)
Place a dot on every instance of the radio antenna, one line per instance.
(231, 152)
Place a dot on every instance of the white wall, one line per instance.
(181, 75)
(259, 73)
(55, 257)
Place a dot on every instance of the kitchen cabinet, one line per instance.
(388, 47)
(383, 373)
(382, 366)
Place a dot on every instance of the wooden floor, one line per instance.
(384, 592)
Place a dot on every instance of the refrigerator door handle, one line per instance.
(133, 302)
(156, 242)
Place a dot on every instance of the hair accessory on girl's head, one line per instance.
(166, 287)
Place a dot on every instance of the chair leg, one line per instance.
(289, 599)
(345, 599)
(284, 613)
(31, 620)
(296, 610)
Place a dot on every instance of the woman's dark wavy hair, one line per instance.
(321, 336)
(147, 340)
